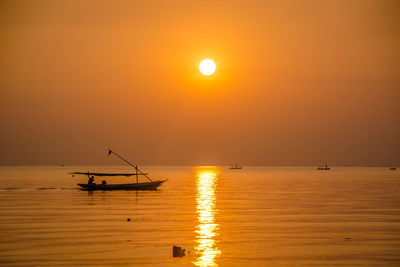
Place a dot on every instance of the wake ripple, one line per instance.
(40, 188)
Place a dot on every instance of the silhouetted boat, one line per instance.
(392, 168)
(236, 167)
(91, 186)
(133, 186)
(326, 168)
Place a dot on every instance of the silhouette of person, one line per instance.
(91, 180)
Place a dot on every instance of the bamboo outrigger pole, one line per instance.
(134, 166)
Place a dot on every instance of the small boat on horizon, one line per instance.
(326, 168)
(92, 186)
(236, 167)
(392, 168)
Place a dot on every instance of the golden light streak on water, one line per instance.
(207, 229)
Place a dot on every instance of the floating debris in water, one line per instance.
(129, 219)
(178, 251)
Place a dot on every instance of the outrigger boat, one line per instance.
(90, 186)
(236, 167)
(326, 168)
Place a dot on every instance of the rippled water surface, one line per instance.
(257, 216)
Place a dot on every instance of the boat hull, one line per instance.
(133, 186)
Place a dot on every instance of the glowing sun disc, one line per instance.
(207, 67)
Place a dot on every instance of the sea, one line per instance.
(255, 216)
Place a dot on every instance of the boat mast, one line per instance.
(137, 178)
(134, 166)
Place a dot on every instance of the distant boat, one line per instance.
(392, 168)
(91, 186)
(326, 168)
(236, 167)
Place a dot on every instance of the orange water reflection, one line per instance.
(207, 229)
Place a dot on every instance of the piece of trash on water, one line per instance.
(129, 219)
(347, 238)
(178, 251)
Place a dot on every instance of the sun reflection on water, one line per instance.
(205, 244)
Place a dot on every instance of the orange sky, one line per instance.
(298, 82)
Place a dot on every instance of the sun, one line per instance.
(207, 67)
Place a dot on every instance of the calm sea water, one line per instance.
(256, 216)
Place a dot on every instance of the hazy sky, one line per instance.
(298, 82)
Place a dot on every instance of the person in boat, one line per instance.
(91, 180)
(104, 182)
